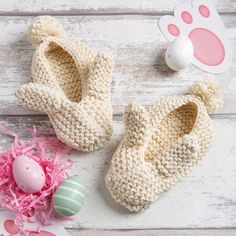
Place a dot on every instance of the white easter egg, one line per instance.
(28, 174)
(179, 53)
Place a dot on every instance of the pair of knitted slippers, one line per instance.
(160, 145)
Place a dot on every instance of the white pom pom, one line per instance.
(42, 27)
(209, 92)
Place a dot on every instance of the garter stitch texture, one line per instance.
(161, 145)
(71, 85)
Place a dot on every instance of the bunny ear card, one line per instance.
(8, 227)
(199, 20)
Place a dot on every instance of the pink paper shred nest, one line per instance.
(47, 151)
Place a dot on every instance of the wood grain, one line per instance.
(70, 7)
(204, 199)
(140, 73)
(209, 232)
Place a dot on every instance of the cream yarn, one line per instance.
(161, 145)
(71, 85)
(42, 27)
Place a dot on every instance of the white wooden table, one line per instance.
(204, 203)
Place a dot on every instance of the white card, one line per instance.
(199, 20)
(7, 227)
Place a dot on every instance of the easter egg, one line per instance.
(179, 53)
(28, 174)
(69, 197)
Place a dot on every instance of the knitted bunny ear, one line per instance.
(137, 124)
(99, 81)
(40, 97)
(209, 92)
(179, 156)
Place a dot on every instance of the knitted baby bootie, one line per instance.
(71, 85)
(161, 145)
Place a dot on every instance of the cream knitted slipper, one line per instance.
(161, 145)
(71, 85)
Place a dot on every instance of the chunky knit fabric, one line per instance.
(161, 145)
(71, 85)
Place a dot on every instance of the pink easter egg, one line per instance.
(28, 174)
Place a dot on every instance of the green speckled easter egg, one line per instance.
(69, 197)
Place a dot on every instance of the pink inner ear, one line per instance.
(42, 233)
(204, 11)
(11, 227)
(186, 17)
(173, 30)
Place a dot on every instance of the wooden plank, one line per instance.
(140, 73)
(99, 7)
(204, 232)
(204, 199)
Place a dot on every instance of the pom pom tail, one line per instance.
(209, 92)
(42, 27)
